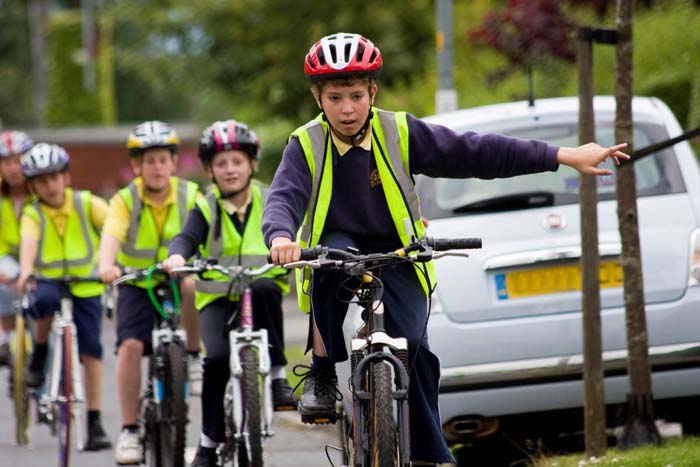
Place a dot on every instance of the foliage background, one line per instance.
(183, 61)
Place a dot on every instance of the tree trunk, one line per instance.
(639, 428)
(594, 390)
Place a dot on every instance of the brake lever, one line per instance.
(450, 253)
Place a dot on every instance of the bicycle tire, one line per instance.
(65, 395)
(172, 429)
(383, 445)
(20, 394)
(250, 453)
(151, 438)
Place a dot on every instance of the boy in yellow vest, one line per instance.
(368, 157)
(60, 236)
(226, 225)
(13, 195)
(142, 220)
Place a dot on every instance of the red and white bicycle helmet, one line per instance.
(44, 158)
(14, 142)
(226, 135)
(343, 55)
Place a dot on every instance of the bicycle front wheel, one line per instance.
(250, 454)
(383, 445)
(172, 429)
(64, 402)
(20, 393)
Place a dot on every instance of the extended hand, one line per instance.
(586, 158)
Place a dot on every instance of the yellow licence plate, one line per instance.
(542, 281)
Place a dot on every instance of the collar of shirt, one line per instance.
(169, 199)
(64, 210)
(344, 147)
(231, 208)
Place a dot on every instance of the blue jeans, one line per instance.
(405, 308)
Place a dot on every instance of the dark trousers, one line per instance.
(267, 314)
(405, 309)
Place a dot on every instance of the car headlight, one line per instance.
(694, 275)
(436, 304)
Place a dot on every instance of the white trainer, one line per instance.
(194, 375)
(129, 449)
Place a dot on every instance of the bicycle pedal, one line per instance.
(285, 407)
(319, 420)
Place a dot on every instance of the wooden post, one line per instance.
(594, 390)
(640, 428)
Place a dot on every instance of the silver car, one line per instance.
(506, 322)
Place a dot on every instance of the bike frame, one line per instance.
(245, 336)
(240, 338)
(377, 347)
(50, 400)
(372, 345)
(164, 335)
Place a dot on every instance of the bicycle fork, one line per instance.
(247, 337)
(379, 348)
(60, 326)
(257, 339)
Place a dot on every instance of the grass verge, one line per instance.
(676, 452)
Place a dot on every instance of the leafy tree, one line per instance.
(15, 65)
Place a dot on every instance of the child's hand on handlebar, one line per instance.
(173, 261)
(283, 250)
(109, 273)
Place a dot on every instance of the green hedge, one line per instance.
(69, 103)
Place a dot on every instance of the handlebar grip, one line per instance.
(444, 244)
(309, 254)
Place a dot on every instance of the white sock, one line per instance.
(278, 372)
(207, 442)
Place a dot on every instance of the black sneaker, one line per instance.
(5, 354)
(205, 457)
(282, 395)
(33, 378)
(97, 439)
(34, 373)
(317, 402)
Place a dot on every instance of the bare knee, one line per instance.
(131, 348)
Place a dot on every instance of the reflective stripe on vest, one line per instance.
(79, 239)
(390, 137)
(231, 248)
(129, 246)
(64, 264)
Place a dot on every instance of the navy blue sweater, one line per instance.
(358, 205)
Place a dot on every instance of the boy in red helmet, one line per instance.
(370, 156)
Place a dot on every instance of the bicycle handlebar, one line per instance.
(324, 257)
(201, 266)
(136, 274)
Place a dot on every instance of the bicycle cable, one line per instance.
(328, 456)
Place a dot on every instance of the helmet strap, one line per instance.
(357, 138)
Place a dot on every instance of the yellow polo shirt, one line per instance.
(31, 229)
(117, 222)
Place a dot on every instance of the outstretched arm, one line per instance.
(586, 158)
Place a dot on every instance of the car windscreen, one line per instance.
(655, 175)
